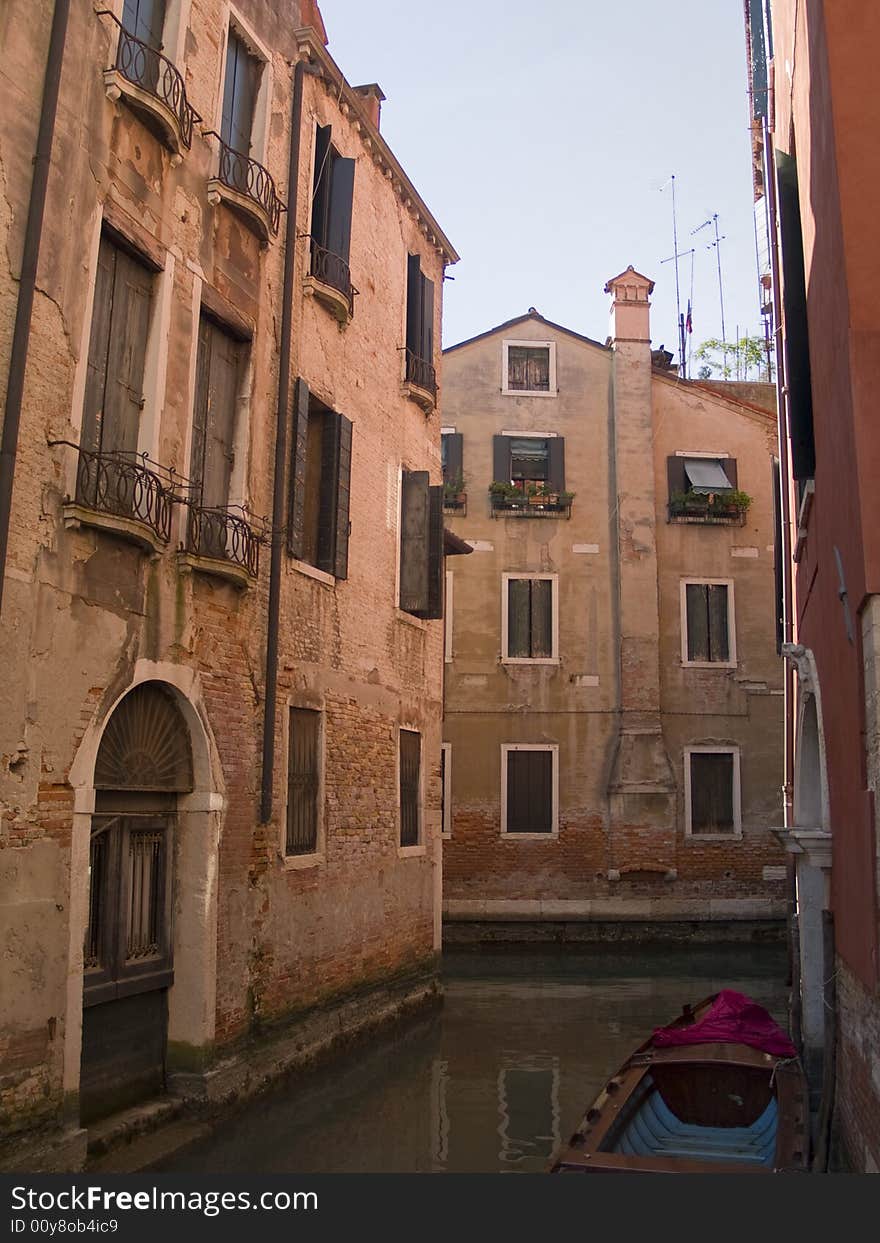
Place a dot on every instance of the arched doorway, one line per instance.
(143, 766)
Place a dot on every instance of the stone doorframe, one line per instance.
(192, 997)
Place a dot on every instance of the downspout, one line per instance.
(271, 696)
(28, 279)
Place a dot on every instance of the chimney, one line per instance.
(372, 95)
(630, 308)
(310, 15)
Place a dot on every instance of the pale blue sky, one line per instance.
(539, 135)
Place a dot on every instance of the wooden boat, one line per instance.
(719, 1107)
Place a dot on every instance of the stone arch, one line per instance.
(199, 810)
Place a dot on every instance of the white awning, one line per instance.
(706, 475)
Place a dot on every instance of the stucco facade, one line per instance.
(614, 694)
(816, 168)
(104, 596)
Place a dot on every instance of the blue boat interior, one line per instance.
(653, 1130)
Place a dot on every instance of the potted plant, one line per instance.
(503, 493)
(453, 491)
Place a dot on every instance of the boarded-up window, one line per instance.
(528, 368)
(239, 95)
(708, 637)
(711, 792)
(421, 545)
(302, 781)
(410, 786)
(320, 485)
(529, 618)
(529, 792)
(117, 349)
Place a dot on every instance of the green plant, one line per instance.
(452, 487)
(504, 491)
(733, 500)
(744, 359)
(565, 497)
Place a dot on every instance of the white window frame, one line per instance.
(319, 854)
(406, 852)
(447, 618)
(446, 825)
(553, 748)
(718, 749)
(505, 372)
(731, 661)
(553, 658)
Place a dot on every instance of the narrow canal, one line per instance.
(492, 1082)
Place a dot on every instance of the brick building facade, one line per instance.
(612, 746)
(220, 731)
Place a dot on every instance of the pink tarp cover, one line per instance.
(734, 1018)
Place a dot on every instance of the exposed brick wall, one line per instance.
(858, 1072)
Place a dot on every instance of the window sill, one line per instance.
(531, 660)
(191, 563)
(411, 852)
(735, 836)
(129, 529)
(529, 837)
(332, 299)
(150, 109)
(709, 664)
(312, 571)
(410, 619)
(422, 397)
(529, 392)
(299, 863)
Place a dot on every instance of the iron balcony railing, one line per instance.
(528, 507)
(701, 509)
(224, 536)
(332, 270)
(146, 67)
(117, 483)
(248, 177)
(421, 373)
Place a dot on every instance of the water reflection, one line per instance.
(495, 1081)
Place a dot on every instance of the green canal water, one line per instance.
(492, 1082)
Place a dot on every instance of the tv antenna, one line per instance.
(713, 220)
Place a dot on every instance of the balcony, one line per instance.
(508, 501)
(420, 384)
(120, 494)
(455, 504)
(221, 543)
(709, 509)
(247, 188)
(330, 282)
(153, 88)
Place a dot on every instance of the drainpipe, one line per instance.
(28, 279)
(281, 447)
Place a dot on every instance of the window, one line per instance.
(529, 789)
(303, 781)
(529, 367)
(707, 622)
(410, 787)
(332, 198)
(320, 485)
(419, 327)
(529, 629)
(240, 88)
(704, 487)
(218, 375)
(796, 328)
(528, 461)
(421, 546)
(712, 792)
(446, 789)
(117, 351)
(452, 456)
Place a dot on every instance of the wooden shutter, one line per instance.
(321, 185)
(343, 497)
(719, 641)
(302, 781)
(426, 343)
(414, 536)
(341, 198)
(145, 19)
(436, 564)
(99, 346)
(129, 326)
(333, 502)
(410, 755)
(299, 443)
(239, 95)
(453, 467)
(529, 791)
(501, 459)
(413, 304)
(541, 617)
(556, 463)
(518, 618)
(778, 570)
(219, 454)
(796, 336)
(712, 792)
(729, 466)
(200, 405)
(675, 475)
(517, 367)
(697, 609)
(538, 369)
